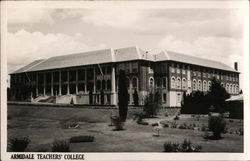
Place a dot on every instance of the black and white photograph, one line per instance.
(123, 77)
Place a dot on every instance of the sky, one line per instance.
(215, 34)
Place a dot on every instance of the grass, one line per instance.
(43, 125)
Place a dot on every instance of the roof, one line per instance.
(235, 98)
(115, 55)
(87, 58)
(174, 56)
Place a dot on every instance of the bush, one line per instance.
(186, 146)
(78, 139)
(176, 117)
(171, 147)
(217, 125)
(60, 146)
(152, 104)
(19, 144)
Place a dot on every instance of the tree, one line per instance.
(152, 104)
(135, 97)
(217, 96)
(122, 96)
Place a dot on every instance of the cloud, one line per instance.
(118, 18)
(29, 17)
(222, 49)
(24, 47)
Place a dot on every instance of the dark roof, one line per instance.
(116, 55)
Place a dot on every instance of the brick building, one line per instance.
(91, 77)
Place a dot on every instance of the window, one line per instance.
(237, 89)
(72, 75)
(233, 88)
(164, 97)
(199, 85)
(194, 73)
(230, 88)
(164, 83)
(199, 74)
(134, 67)
(183, 71)
(204, 75)
(151, 82)
(227, 87)
(81, 74)
(108, 69)
(178, 97)
(209, 75)
(178, 70)
(184, 83)
(217, 76)
(178, 83)
(103, 84)
(98, 85)
(208, 85)
(134, 82)
(204, 85)
(158, 82)
(127, 67)
(172, 69)
(173, 82)
(222, 84)
(194, 85)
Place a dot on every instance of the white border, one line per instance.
(244, 5)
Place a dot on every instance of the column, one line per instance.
(94, 79)
(85, 84)
(36, 84)
(113, 82)
(68, 82)
(51, 87)
(44, 83)
(60, 83)
(76, 81)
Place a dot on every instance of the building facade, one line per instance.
(92, 77)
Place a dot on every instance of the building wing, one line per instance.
(174, 56)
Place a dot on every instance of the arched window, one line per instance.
(233, 88)
(178, 83)
(199, 85)
(134, 82)
(222, 84)
(151, 82)
(194, 85)
(172, 82)
(204, 85)
(230, 88)
(237, 89)
(184, 83)
(227, 87)
(128, 83)
(208, 85)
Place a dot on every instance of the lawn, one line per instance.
(45, 124)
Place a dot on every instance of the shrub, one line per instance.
(155, 124)
(171, 147)
(176, 117)
(138, 118)
(60, 146)
(82, 138)
(217, 125)
(152, 104)
(174, 125)
(19, 144)
(186, 146)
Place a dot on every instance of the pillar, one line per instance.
(44, 83)
(60, 83)
(76, 81)
(113, 92)
(85, 84)
(68, 82)
(52, 83)
(36, 84)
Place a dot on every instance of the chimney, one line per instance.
(236, 66)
